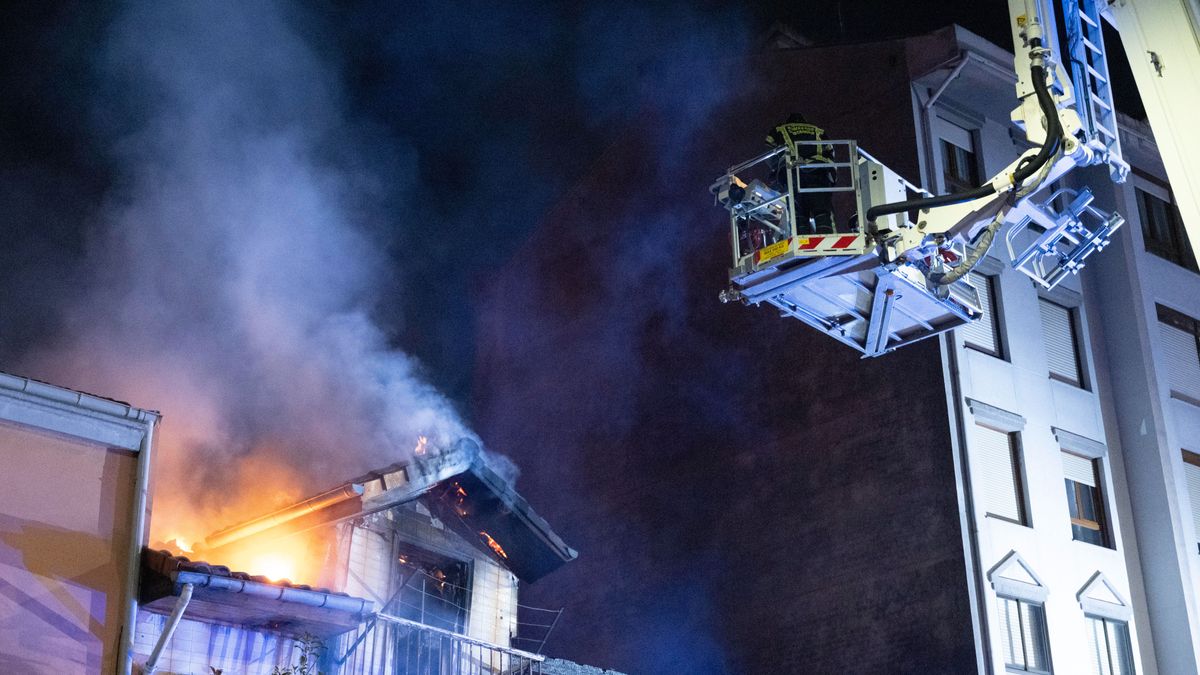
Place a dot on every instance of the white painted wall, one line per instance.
(1020, 384)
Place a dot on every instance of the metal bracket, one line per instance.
(1062, 240)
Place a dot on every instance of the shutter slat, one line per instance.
(984, 332)
(1058, 329)
(1183, 361)
(1079, 469)
(997, 475)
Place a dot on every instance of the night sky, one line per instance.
(497, 110)
(435, 136)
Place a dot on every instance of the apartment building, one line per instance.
(1042, 477)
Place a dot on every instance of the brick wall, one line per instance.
(747, 495)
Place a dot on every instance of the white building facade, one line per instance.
(1075, 411)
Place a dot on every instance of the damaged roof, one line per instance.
(222, 595)
(459, 487)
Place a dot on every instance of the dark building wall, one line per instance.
(748, 496)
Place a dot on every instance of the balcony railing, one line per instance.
(392, 644)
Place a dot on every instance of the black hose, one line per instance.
(1024, 170)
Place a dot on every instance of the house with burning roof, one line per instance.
(415, 567)
(418, 566)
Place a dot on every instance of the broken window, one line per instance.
(432, 589)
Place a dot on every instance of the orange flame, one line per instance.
(422, 443)
(493, 544)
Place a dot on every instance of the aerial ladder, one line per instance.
(896, 270)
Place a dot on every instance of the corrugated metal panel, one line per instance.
(1191, 474)
(984, 333)
(1079, 469)
(997, 474)
(1183, 361)
(1062, 350)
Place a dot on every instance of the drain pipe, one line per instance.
(137, 534)
(185, 596)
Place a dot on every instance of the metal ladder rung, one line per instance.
(1101, 102)
(1088, 43)
(1087, 19)
(1104, 130)
(1096, 75)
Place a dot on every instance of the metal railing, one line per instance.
(777, 197)
(392, 644)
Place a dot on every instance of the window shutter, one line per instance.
(983, 333)
(1183, 361)
(1058, 330)
(1191, 475)
(997, 474)
(1079, 469)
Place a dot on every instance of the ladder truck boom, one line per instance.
(895, 272)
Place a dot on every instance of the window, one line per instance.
(1162, 230)
(1191, 476)
(431, 589)
(1181, 343)
(1062, 342)
(1000, 475)
(960, 164)
(984, 334)
(1023, 639)
(1084, 501)
(1108, 646)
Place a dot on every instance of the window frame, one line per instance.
(997, 420)
(1178, 251)
(993, 312)
(1183, 322)
(1076, 326)
(1192, 459)
(1101, 524)
(1108, 651)
(1045, 635)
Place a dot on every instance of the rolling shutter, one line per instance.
(1062, 350)
(1191, 476)
(983, 334)
(997, 474)
(1183, 361)
(1079, 469)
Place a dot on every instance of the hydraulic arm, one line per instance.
(896, 271)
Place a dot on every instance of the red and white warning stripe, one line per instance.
(813, 245)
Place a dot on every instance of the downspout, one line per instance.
(185, 596)
(966, 499)
(137, 533)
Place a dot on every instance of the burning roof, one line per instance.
(457, 485)
(226, 596)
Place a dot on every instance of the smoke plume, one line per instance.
(230, 278)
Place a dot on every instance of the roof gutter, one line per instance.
(292, 594)
(290, 513)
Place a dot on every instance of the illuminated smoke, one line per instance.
(231, 276)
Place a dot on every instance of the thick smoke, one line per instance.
(231, 277)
